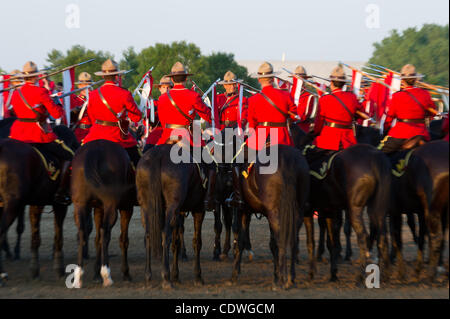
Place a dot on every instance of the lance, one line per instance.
(52, 73)
(423, 84)
(209, 89)
(259, 91)
(76, 90)
(11, 87)
(367, 75)
(142, 81)
(357, 112)
(195, 84)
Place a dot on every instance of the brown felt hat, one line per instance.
(229, 78)
(300, 71)
(84, 78)
(409, 72)
(30, 69)
(109, 67)
(338, 74)
(178, 69)
(165, 80)
(265, 71)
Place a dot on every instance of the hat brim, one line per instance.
(300, 75)
(29, 75)
(259, 76)
(228, 82)
(101, 73)
(175, 74)
(417, 76)
(161, 84)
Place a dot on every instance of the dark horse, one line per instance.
(280, 196)
(423, 189)
(24, 180)
(102, 178)
(358, 177)
(165, 190)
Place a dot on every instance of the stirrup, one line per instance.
(232, 202)
(62, 199)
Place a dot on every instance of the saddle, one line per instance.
(51, 163)
(319, 161)
(413, 142)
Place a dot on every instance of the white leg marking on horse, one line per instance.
(77, 282)
(106, 275)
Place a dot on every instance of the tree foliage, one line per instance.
(206, 68)
(77, 54)
(427, 49)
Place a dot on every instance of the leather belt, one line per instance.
(173, 126)
(106, 123)
(84, 126)
(416, 121)
(27, 120)
(272, 124)
(228, 123)
(337, 125)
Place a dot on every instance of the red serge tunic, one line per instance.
(305, 110)
(369, 107)
(155, 134)
(122, 102)
(84, 125)
(332, 111)
(260, 111)
(39, 99)
(231, 111)
(190, 103)
(403, 106)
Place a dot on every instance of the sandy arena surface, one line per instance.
(255, 279)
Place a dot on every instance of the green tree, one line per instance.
(2, 71)
(427, 49)
(77, 54)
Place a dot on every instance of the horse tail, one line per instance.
(289, 209)
(149, 187)
(106, 182)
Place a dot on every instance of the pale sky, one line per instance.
(322, 30)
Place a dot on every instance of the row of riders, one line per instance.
(320, 168)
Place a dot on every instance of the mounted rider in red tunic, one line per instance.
(32, 105)
(110, 108)
(409, 106)
(306, 103)
(268, 115)
(334, 125)
(77, 102)
(165, 84)
(228, 103)
(177, 109)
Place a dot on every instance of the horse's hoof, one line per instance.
(276, 286)
(251, 255)
(231, 282)
(199, 282)
(167, 285)
(216, 257)
(108, 282)
(16, 257)
(126, 277)
(333, 278)
(34, 272)
(223, 257)
(3, 279)
(184, 257)
(289, 285)
(97, 278)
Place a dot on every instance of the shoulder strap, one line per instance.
(178, 109)
(343, 104)
(106, 104)
(28, 105)
(416, 100)
(227, 105)
(274, 105)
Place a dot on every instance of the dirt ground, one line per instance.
(255, 279)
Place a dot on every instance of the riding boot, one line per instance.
(236, 200)
(62, 195)
(210, 202)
